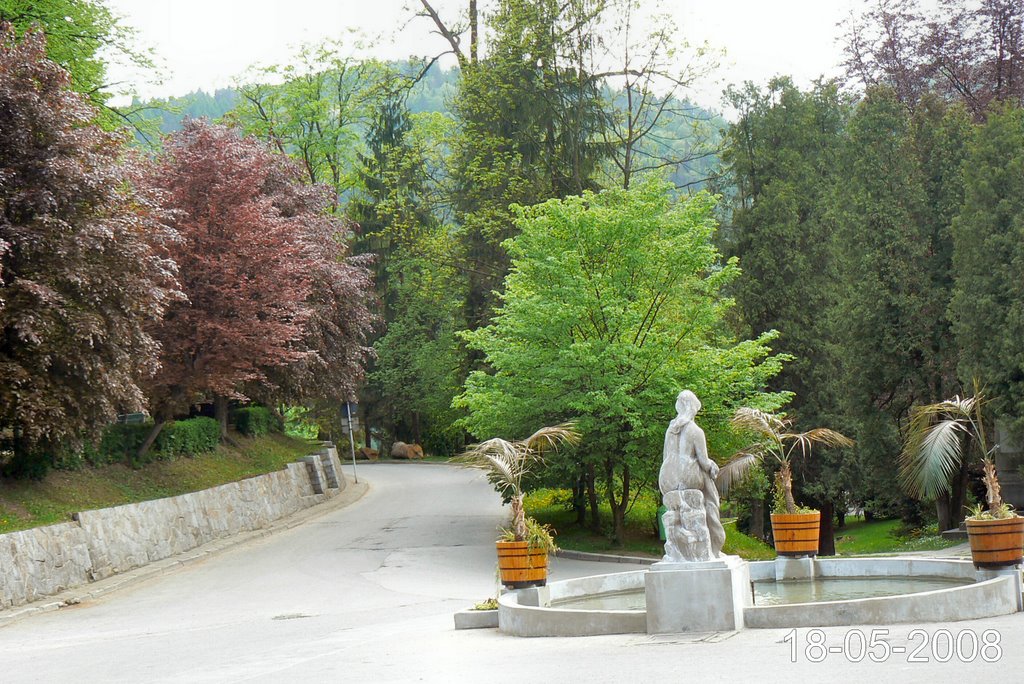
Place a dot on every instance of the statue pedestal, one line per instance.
(705, 596)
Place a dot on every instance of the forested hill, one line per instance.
(433, 93)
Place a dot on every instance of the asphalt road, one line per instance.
(366, 593)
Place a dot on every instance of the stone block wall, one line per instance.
(97, 544)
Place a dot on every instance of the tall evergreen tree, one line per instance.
(988, 236)
(529, 131)
(890, 331)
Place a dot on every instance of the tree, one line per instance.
(987, 243)
(333, 349)
(79, 280)
(970, 51)
(614, 304)
(782, 159)
(243, 266)
(318, 112)
(893, 286)
(530, 119)
(81, 36)
(651, 126)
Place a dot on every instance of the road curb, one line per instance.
(70, 597)
(604, 557)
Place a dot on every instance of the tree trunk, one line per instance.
(416, 428)
(826, 535)
(618, 505)
(786, 482)
(949, 507)
(220, 413)
(579, 498)
(474, 30)
(757, 519)
(147, 443)
(595, 515)
(841, 517)
(366, 426)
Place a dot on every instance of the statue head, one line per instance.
(687, 405)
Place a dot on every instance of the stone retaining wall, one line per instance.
(97, 544)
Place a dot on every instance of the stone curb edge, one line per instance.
(352, 493)
(603, 557)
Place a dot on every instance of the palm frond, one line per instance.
(504, 464)
(823, 436)
(507, 463)
(553, 437)
(756, 420)
(931, 457)
(736, 470)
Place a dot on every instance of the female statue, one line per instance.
(685, 465)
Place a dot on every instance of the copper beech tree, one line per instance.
(79, 278)
(253, 254)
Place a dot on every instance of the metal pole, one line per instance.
(351, 439)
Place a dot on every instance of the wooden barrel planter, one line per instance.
(796, 534)
(996, 543)
(521, 566)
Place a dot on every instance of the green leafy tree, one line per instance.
(614, 303)
(81, 36)
(318, 114)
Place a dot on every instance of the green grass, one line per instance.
(886, 536)
(549, 506)
(25, 504)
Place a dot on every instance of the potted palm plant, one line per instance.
(939, 438)
(794, 529)
(523, 548)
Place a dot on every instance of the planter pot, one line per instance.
(521, 566)
(796, 534)
(996, 543)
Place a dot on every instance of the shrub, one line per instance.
(26, 465)
(119, 443)
(255, 421)
(188, 437)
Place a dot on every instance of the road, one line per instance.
(366, 593)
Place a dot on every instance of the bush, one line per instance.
(24, 465)
(255, 421)
(187, 437)
(119, 443)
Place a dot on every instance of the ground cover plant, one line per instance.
(31, 503)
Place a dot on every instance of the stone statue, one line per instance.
(685, 466)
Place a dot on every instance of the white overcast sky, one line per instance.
(205, 43)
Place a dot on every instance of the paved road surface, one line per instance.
(366, 593)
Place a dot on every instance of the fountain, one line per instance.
(696, 588)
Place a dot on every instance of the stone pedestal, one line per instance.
(1012, 571)
(787, 568)
(707, 596)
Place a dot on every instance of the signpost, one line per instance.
(350, 421)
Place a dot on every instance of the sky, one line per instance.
(205, 44)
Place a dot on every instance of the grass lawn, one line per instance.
(881, 536)
(25, 504)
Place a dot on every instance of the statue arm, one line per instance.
(667, 454)
(700, 447)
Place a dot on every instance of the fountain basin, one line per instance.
(612, 604)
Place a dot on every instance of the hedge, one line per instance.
(121, 441)
(188, 437)
(255, 421)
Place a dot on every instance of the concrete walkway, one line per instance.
(366, 593)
